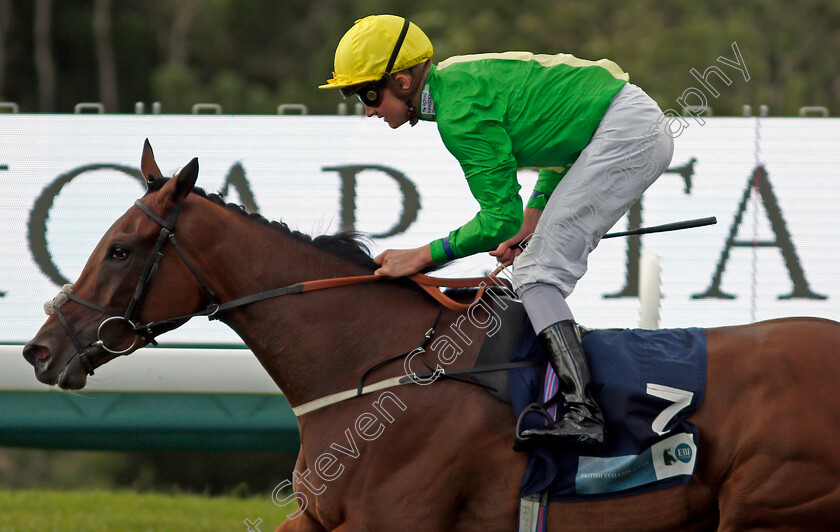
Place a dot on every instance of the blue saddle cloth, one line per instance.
(647, 384)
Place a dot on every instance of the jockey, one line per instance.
(597, 140)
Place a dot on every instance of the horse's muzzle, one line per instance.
(72, 376)
(37, 355)
(43, 361)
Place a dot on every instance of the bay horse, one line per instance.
(442, 457)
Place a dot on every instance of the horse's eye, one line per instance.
(119, 253)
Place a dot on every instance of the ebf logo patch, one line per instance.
(683, 453)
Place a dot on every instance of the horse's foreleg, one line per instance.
(303, 523)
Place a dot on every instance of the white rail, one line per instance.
(155, 369)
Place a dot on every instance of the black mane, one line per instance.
(347, 245)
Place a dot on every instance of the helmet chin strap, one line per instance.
(418, 77)
(413, 115)
(407, 96)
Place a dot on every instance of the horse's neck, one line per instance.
(315, 343)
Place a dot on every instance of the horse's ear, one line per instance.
(148, 165)
(185, 181)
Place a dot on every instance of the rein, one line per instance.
(149, 331)
(429, 284)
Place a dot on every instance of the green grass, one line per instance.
(97, 510)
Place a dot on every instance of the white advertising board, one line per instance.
(65, 178)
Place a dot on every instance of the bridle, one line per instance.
(149, 331)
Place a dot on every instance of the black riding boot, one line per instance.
(582, 422)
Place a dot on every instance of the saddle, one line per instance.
(648, 382)
(497, 348)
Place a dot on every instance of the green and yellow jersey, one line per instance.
(497, 113)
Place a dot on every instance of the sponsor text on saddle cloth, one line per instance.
(648, 383)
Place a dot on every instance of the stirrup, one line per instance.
(553, 433)
(521, 443)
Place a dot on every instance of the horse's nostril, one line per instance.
(34, 353)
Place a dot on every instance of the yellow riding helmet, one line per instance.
(365, 51)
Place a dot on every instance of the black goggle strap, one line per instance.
(412, 110)
(397, 47)
(377, 86)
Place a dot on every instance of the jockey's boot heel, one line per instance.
(582, 423)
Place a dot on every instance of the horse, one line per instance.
(436, 457)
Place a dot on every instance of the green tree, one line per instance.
(252, 55)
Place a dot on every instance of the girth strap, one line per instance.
(421, 346)
(399, 380)
(470, 371)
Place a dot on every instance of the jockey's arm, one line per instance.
(497, 192)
